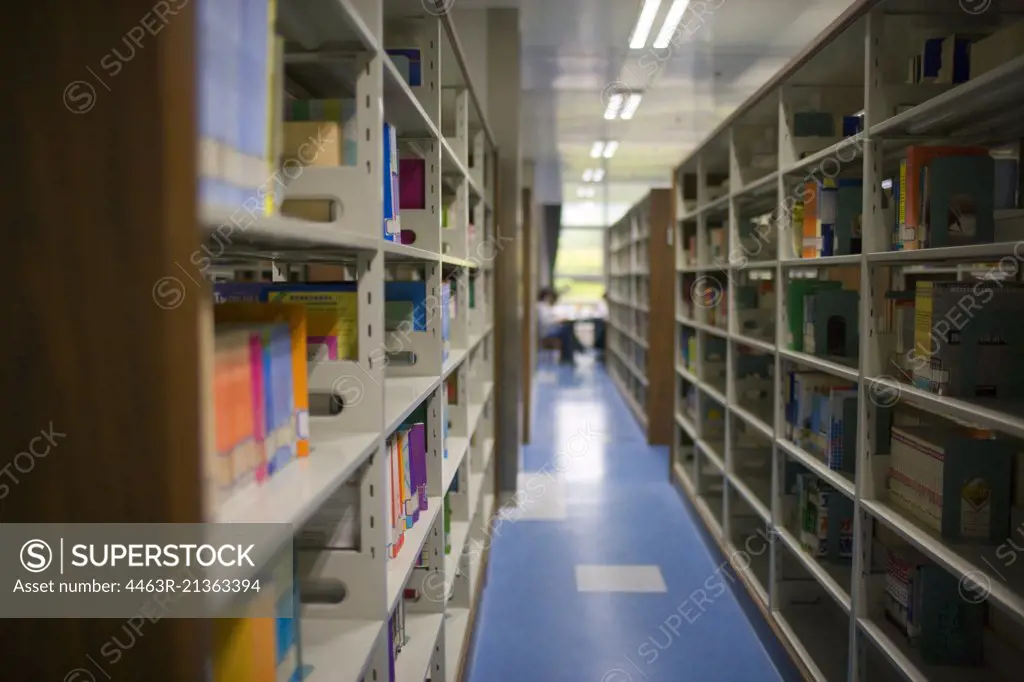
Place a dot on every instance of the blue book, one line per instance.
(224, 292)
(390, 180)
(415, 293)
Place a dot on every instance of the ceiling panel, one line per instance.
(574, 52)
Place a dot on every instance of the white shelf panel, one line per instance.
(474, 410)
(821, 364)
(401, 566)
(973, 565)
(459, 262)
(1009, 419)
(457, 447)
(754, 421)
(833, 478)
(456, 630)
(293, 496)
(280, 233)
(402, 108)
(488, 452)
(402, 395)
(455, 358)
(486, 391)
(396, 251)
(713, 392)
(457, 539)
(974, 252)
(710, 452)
(966, 105)
(838, 592)
(820, 262)
(687, 374)
(337, 649)
(687, 425)
(766, 346)
(421, 631)
(735, 482)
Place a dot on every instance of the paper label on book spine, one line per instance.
(975, 508)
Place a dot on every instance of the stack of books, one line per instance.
(407, 482)
(924, 602)
(953, 481)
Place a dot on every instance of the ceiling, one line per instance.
(575, 52)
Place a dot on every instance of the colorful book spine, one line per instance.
(295, 317)
(392, 222)
(332, 313)
(418, 444)
(414, 292)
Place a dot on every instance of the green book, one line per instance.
(798, 289)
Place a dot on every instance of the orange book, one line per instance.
(231, 363)
(295, 317)
(917, 159)
(244, 650)
(809, 247)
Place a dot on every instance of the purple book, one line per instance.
(418, 448)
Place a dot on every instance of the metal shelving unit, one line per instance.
(730, 447)
(639, 265)
(441, 122)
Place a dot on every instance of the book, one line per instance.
(925, 603)
(958, 202)
(332, 311)
(910, 192)
(952, 481)
(965, 336)
(392, 218)
(414, 292)
(798, 289)
(830, 323)
(341, 111)
(295, 317)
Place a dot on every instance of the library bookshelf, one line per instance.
(640, 273)
(440, 121)
(755, 451)
(170, 248)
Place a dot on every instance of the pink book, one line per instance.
(258, 406)
(412, 193)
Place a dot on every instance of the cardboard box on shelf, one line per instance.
(313, 143)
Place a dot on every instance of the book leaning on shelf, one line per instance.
(967, 337)
(953, 481)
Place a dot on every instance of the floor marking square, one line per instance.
(598, 578)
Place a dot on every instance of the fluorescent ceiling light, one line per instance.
(672, 19)
(614, 104)
(610, 149)
(644, 24)
(630, 108)
(598, 174)
(595, 151)
(588, 175)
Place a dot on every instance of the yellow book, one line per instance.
(332, 328)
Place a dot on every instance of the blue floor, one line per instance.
(619, 509)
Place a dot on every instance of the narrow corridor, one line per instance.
(601, 574)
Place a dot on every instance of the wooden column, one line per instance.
(101, 338)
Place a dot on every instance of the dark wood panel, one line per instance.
(661, 321)
(102, 345)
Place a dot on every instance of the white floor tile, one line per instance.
(596, 578)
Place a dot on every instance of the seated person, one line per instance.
(549, 325)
